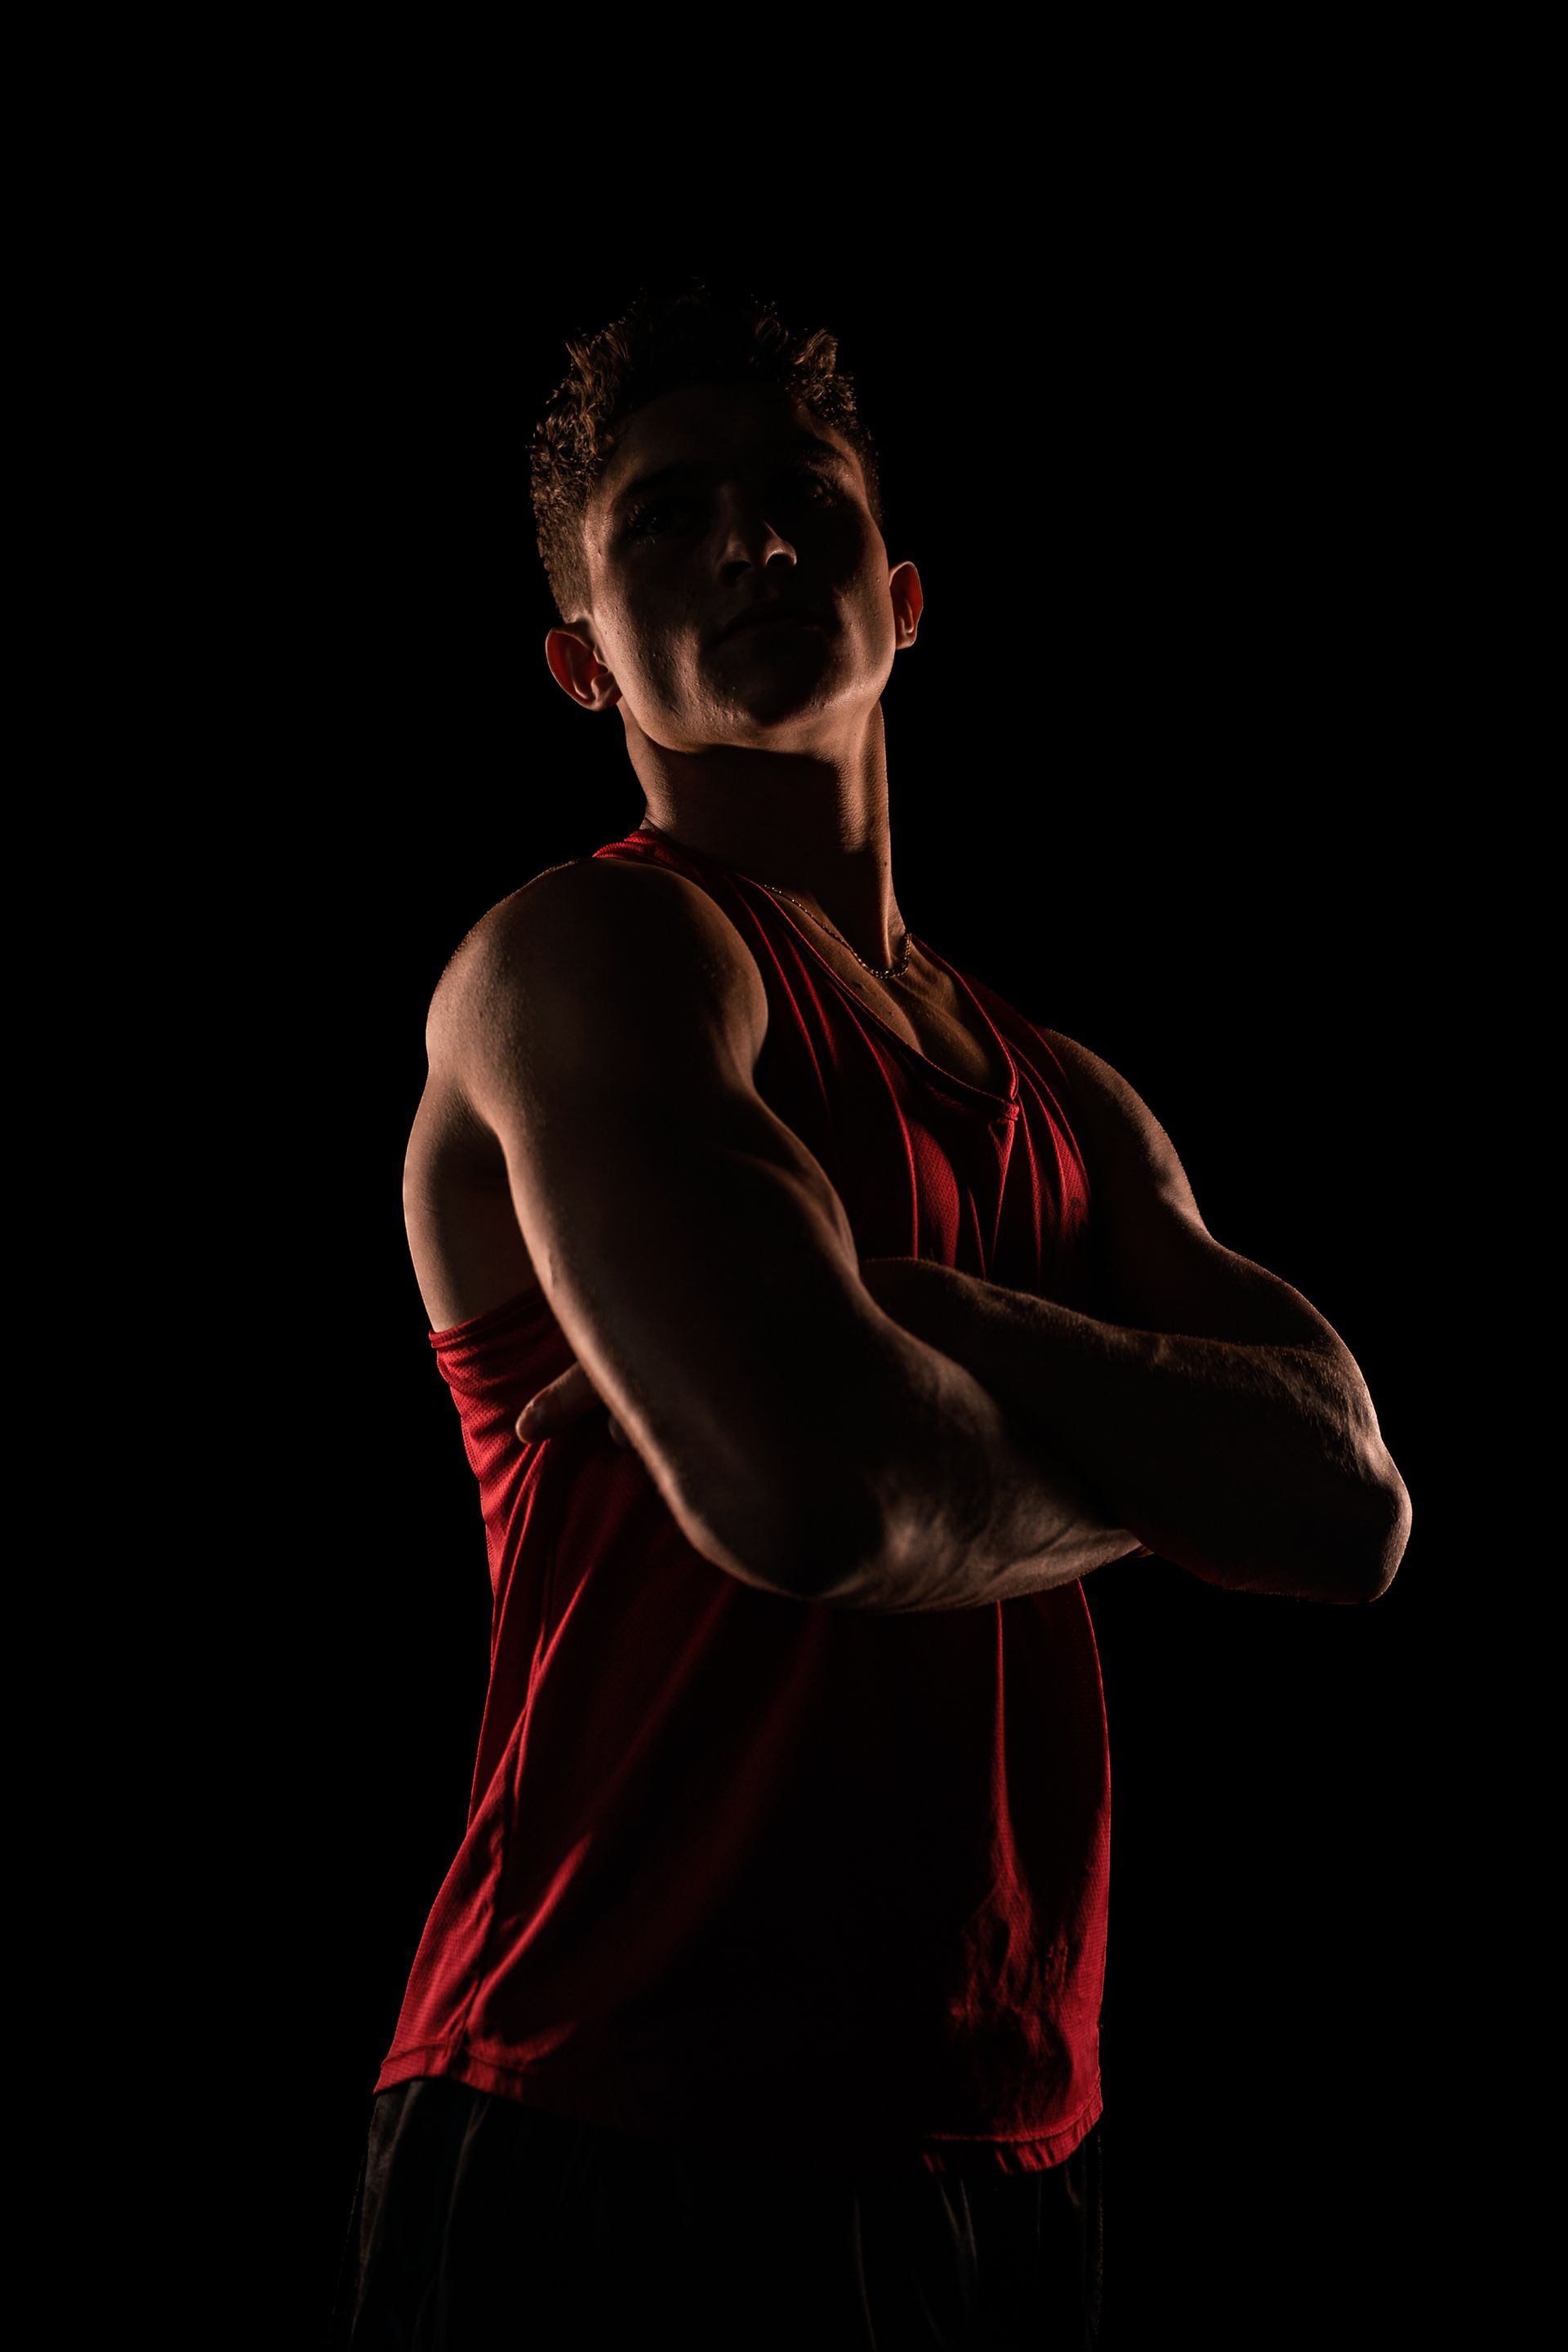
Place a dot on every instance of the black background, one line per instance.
(1162, 766)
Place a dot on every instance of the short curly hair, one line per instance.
(693, 334)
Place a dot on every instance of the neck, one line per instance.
(839, 864)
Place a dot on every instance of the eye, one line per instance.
(646, 521)
(642, 520)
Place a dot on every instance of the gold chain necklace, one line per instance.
(889, 971)
(877, 972)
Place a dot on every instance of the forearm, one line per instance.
(1255, 1467)
(979, 1504)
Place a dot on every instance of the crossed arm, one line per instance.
(1256, 1466)
(1219, 1421)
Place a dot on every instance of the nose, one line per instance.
(746, 536)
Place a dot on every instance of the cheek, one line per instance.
(661, 669)
(872, 618)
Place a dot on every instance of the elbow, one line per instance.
(1350, 1561)
(1368, 1554)
(825, 1540)
(1392, 1534)
(815, 1542)
(805, 1533)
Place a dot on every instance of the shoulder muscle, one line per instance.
(620, 975)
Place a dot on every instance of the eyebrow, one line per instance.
(687, 469)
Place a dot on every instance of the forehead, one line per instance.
(712, 426)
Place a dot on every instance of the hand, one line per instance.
(568, 1398)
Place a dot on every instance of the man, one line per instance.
(809, 1314)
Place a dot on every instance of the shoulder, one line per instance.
(1123, 1141)
(1102, 1087)
(593, 939)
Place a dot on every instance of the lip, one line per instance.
(766, 617)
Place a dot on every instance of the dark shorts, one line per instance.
(480, 2225)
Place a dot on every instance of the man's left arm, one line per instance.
(1220, 1417)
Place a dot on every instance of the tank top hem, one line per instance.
(941, 2152)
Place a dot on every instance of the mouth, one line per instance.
(771, 621)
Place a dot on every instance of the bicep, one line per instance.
(1164, 1271)
(1157, 1265)
(692, 1250)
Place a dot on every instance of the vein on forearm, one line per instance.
(1214, 1453)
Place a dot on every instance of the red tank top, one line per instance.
(754, 1872)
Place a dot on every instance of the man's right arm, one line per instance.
(604, 1022)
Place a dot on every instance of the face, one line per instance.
(718, 498)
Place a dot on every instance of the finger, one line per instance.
(561, 1401)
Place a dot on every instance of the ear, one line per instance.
(904, 588)
(573, 662)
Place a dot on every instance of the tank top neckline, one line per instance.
(1008, 1103)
